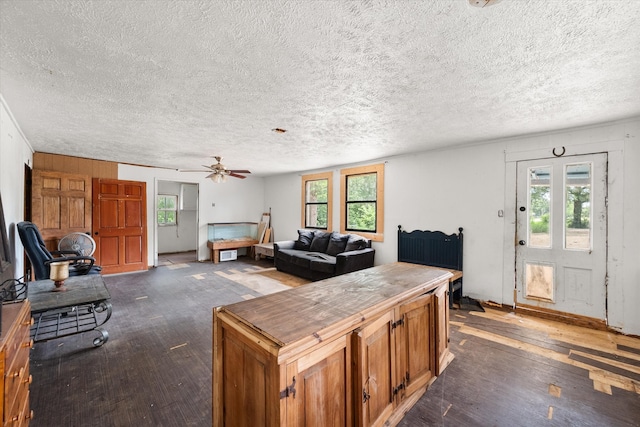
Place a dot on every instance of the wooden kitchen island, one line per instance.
(357, 349)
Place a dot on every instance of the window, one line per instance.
(577, 202)
(362, 205)
(167, 209)
(317, 195)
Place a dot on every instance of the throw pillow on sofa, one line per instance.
(320, 242)
(305, 237)
(337, 243)
(355, 243)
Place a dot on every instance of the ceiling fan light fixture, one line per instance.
(218, 178)
(219, 172)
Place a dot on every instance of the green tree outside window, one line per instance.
(316, 204)
(167, 209)
(361, 202)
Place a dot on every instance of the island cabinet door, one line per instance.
(319, 390)
(415, 341)
(374, 359)
(249, 383)
(444, 356)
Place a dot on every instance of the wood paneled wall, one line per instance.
(77, 165)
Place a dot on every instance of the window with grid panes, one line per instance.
(167, 208)
(362, 201)
(316, 201)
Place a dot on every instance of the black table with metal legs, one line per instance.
(83, 307)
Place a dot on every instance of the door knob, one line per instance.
(522, 243)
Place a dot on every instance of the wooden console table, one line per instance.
(219, 245)
(83, 307)
(357, 349)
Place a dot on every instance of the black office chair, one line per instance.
(41, 257)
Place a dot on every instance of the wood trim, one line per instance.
(378, 236)
(573, 319)
(313, 357)
(544, 313)
(216, 374)
(76, 165)
(316, 177)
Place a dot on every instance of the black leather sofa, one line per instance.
(318, 255)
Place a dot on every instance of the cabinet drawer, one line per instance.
(16, 390)
(20, 338)
(21, 416)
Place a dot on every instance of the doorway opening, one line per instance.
(176, 219)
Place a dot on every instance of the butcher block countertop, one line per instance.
(311, 313)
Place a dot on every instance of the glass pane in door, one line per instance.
(540, 207)
(577, 206)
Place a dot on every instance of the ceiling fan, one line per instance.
(219, 172)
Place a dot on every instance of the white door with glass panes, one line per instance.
(561, 234)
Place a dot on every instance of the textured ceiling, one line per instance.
(170, 83)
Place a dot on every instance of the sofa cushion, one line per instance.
(320, 242)
(337, 243)
(306, 259)
(285, 254)
(324, 264)
(355, 243)
(305, 237)
(301, 260)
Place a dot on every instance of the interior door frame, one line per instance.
(121, 226)
(564, 262)
(614, 150)
(153, 203)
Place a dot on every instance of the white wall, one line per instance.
(234, 200)
(15, 152)
(467, 186)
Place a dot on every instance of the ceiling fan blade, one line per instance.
(238, 171)
(235, 175)
(210, 175)
(192, 170)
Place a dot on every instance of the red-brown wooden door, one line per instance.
(119, 225)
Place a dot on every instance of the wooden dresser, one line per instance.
(15, 345)
(357, 349)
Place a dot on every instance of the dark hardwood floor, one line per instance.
(513, 370)
(155, 369)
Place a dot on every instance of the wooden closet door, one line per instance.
(120, 225)
(61, 204)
